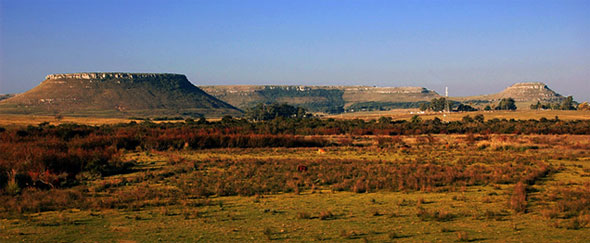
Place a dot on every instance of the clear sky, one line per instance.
(473, 47)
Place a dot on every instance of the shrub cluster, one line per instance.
(387, 126)
(47, 156)
(249, 177)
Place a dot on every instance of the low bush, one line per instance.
(518, 198)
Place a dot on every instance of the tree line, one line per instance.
(567, 104)
(444, 104)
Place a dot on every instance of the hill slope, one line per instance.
(322, 98)
(118, 94)
(524, 94)
(529, 91)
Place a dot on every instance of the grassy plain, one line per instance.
(446, 188)
(406, 114)
(8, 120)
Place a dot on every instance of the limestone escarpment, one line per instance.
(110, 75)
(319, 98)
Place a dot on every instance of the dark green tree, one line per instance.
(463, 107)
(385, 120)
(506, 104)
(439, 104)
(424, 106)
(479, 118)
(265, 112)
(568, 104)
(415, 119)
(467, 119)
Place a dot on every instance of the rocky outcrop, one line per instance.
(529, 91)
(111, 75)
(389, 90)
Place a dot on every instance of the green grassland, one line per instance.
(447, 188)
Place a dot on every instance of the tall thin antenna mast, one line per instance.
(447, 106)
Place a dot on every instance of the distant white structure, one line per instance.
(447, 107)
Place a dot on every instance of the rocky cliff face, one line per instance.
(111, 75)
(120, 93)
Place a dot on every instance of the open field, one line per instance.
(494, 187)
(400, 114)
(23, 120)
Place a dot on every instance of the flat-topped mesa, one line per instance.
(530, 91)
(111, 75)
(120, 94)
(530, 85)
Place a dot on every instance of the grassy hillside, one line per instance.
(367, 98)
(117, 94)
(524, 94)
(329, 99)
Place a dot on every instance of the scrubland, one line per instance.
(239, 181)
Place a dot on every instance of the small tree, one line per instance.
(568, 104)
(438, 104)
(227, 119)
(467, 119)
(506, 104)
(415, 119)
(385, 120)
(479, 118)
(463, 107)
(424, 106)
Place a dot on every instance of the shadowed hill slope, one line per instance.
(117, 94)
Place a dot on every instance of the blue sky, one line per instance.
(474, 47)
